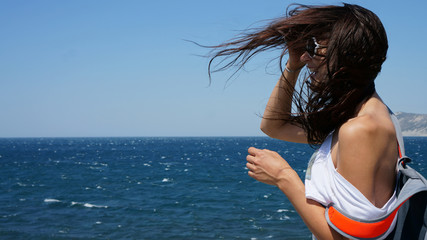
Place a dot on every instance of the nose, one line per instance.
(305, 57)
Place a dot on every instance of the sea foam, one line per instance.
(51, 200)
(88, 205)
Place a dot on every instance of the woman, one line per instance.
(336, 107)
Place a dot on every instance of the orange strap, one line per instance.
(360, 229)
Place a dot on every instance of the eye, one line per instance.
(310, 47)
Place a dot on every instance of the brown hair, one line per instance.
(357, 47)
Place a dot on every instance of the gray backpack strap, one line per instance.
(398, 130)
(411, 192)
(415, 182)
(412, 216)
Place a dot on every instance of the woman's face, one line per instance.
(315, 54)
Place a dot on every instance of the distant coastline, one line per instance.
(412, 124)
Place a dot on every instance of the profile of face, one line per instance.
(314, 58)
(314, 54)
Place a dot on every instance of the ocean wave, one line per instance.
(285, 217)
(285, 210)
(167, 180)
(282, 210)
(51, 200)
(88, 205)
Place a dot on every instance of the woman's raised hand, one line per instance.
(294, 60)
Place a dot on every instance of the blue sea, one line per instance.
(148, 188)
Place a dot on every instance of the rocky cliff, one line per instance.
(412, 124)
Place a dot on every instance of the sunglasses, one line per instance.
(312, 47)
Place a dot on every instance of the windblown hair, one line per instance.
(357, 47)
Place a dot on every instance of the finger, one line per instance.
(250, 158)
(250, 166)
(252, 151)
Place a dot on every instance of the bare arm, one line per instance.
(280, 104)
(268, 167)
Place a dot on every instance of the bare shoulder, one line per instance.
(368, 130)
(363, 143)
(366, 138)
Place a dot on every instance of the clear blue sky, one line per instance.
(121, 68)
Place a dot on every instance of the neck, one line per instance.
(366, 105)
